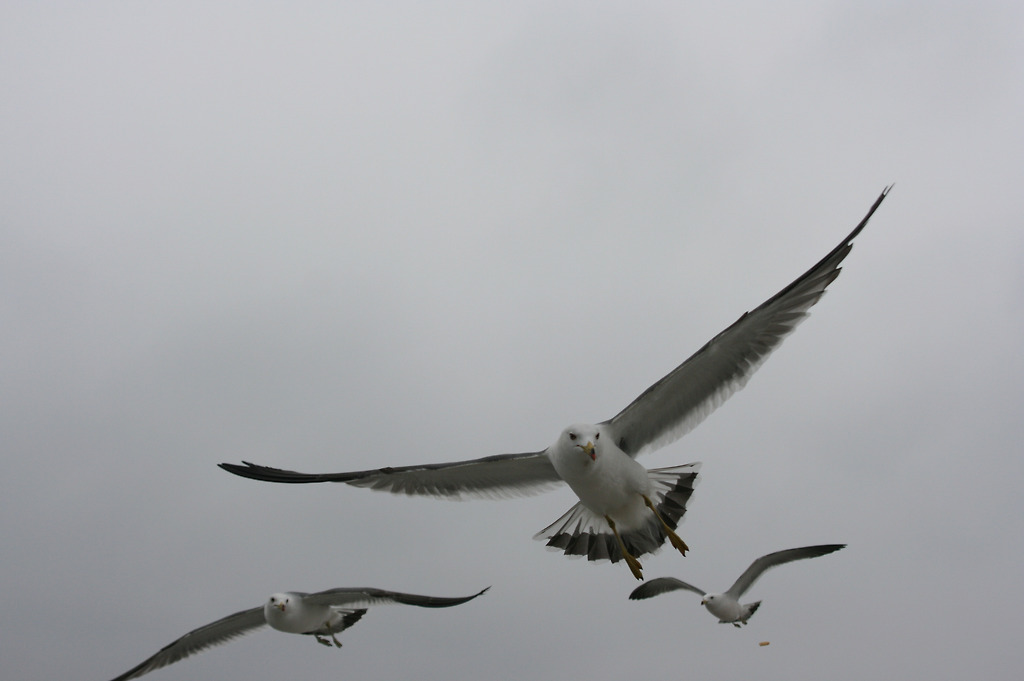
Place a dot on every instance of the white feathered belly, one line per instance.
(612, 486)
(300, 619)
(725, 609)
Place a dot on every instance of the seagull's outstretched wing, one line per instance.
(663, 413)
(349, 597)
(495, 476)
(213, 634)
(678, 402)
(756, 568)
(661, 585)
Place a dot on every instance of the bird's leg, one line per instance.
(321, 640)
(327, 626)
(672, 536)
(632, 562)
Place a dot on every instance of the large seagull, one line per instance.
(625, 510)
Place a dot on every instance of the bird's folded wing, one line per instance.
(370, 596)
(678, 402)
(660, 585)
(757, 568)
(215, 633)
(493, 476)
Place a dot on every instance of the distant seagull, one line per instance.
(321, 615)
(624, 511)
(726, 606)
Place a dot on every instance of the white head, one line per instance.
(280, 601)
(723, 606)
(277, 605)
(582, 440)
(286, 612)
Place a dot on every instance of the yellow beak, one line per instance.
(588, 449)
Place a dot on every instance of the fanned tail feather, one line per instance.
(579, 532)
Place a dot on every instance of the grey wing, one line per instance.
(213, 634)
(678, 402)
(370, 596)
(757, 568)
(494, 476)
(661, 585)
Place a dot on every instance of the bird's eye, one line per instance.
(597, 436)
(572, 436)
(273, 600)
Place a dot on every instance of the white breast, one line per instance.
(611, 484)
(724, 608)
(297, 617)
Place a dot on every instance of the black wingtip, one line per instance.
(634, 596)
(467, 599)
(266, 473)
(235, 468)
(871, 211)
(878, 201)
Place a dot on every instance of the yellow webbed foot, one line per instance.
(634, 565)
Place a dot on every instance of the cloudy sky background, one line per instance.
(333, 237)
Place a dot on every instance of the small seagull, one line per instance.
(321, 615)
(726, 606)
(625, 511)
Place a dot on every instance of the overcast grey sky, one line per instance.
(330, 236)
